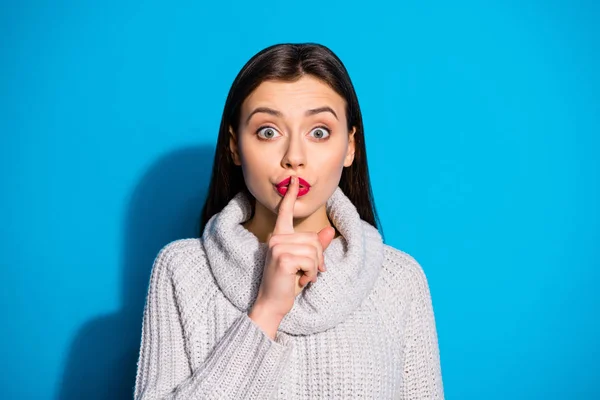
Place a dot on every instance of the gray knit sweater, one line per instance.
(365, 329)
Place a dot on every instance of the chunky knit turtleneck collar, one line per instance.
(353, 261)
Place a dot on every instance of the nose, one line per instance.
(295, 155)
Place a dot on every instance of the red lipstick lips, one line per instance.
(282, 186)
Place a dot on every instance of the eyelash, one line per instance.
(316, 127)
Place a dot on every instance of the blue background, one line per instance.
(482, 125)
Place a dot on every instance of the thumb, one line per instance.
(326, 236)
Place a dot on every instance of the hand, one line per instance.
(293, 259)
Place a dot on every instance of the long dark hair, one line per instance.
(289, 62)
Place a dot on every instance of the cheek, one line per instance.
(330, 160)
(330, 168)
(256, 165)
(251, 156)
(330, 165)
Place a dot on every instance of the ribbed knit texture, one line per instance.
(365, 329)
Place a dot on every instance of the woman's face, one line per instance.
(293, 129)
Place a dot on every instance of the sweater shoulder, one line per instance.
(403, 274)
(182, 258)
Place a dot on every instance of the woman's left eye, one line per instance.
(321, 132)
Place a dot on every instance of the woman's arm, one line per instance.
(422, 370)
(244, 364)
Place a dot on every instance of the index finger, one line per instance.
(285, 216)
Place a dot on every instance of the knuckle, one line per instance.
(285, 259)
(273, 240)
(275, 251)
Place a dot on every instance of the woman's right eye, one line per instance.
(267, 133)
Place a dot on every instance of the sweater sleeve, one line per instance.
(244, 364)
(422, 370)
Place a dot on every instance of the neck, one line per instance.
(263, 221)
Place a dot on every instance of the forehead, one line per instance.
(294, 97)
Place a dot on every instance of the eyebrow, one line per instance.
(279, 114)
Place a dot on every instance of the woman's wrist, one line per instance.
(267, 320)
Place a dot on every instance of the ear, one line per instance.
(233, 147)
(351, 148)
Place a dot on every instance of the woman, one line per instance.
(289, 292)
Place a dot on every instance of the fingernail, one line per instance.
(292, 180)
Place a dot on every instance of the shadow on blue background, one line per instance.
(165, 206)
